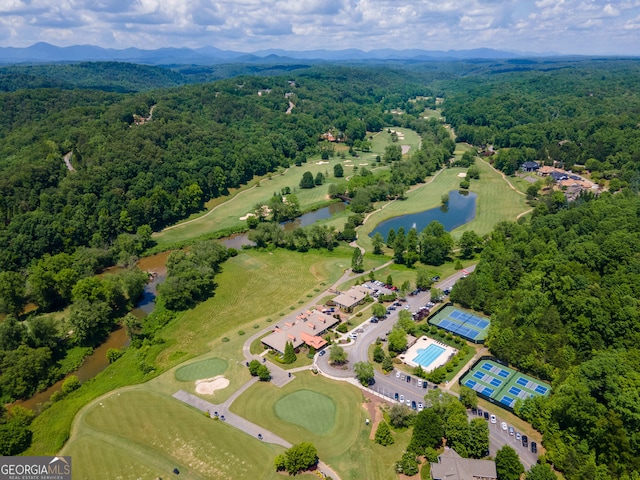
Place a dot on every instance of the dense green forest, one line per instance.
(562, 288)
(584, 117)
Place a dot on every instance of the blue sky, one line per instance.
(560, 26)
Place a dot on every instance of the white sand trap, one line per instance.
(405, 149)
(462, 174)
(207, 386)
(363, 164)
(247, 216)
(321, 163)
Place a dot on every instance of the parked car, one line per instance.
(420, 406)
(408, 402)
(419, 382)
(493, 419)
(425, 384)
(517, 435)
(396, 396)
(322, 352)
(446, 291)
(486, 415)
(435, 279)
(401, 398)
(408, 379)
(534, 447)
(474, 410)
(414, 405)
(504, 426)
(480, 411)
(397, 374)
(511, 431)
(525, 441)
(402, 376)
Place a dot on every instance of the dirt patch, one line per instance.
(208, 386)
(373, 406)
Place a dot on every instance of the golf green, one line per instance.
(314, 411)
(203, 369)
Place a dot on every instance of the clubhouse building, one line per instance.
(352, 297)
(307, 329)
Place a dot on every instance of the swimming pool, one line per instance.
(426, 356)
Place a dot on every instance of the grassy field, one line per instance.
(496, 202)
(142, 434)
(259, 191)
(252, 287)
(311, 410)
(202, 369)
(345, 446)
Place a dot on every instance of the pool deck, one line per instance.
(421, 344)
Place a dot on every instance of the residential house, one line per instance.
(451, 466)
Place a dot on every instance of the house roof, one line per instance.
(452, 466)
(529, 164)
(545, 169)
(307, 329)
(351, 297)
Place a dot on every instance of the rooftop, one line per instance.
(351, 297)
(452, 466)
(307, 329)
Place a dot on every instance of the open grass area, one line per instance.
(252, 286)
(311, 410)
(346, 446)
(496, 202)
(141, 434)
(203, 369)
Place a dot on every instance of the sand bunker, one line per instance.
(405, 149)
(247, 216)
(207, 386)
(321, 163)
(462, 175)
(362, 164)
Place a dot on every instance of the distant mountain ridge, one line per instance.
(45, 52)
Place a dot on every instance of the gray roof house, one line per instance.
(451, 466)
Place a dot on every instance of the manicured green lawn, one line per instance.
(203, 369)
(345, 446)
(141, 434)
(496, 202)
(311, 410)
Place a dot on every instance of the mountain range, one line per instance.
(45, 52)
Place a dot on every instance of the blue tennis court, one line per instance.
(522, 381)
(503, 373)
(507, 400)
(515, 391)
(479, 375)
(487, 391)
(541, 390)
(487, 366)
(470, 383)
(426, 356)
(495, 382)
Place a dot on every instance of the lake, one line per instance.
(460, 209)
(238, 240)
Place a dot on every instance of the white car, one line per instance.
(401, 398)
(420, 407)
(493, 419)
(419, 382)
(397, 374)
(504, 426)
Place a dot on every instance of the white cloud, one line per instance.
(249, 25)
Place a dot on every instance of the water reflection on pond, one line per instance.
(460, 209)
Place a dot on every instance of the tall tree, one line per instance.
(357, 261)
(508, 464)
(12, 293)
(383, 434)
(289, 353)
(364, 373)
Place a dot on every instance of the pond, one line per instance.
(238, 240)
(460, 209)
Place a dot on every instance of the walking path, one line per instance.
(67, 161)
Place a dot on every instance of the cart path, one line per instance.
(213, 209)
